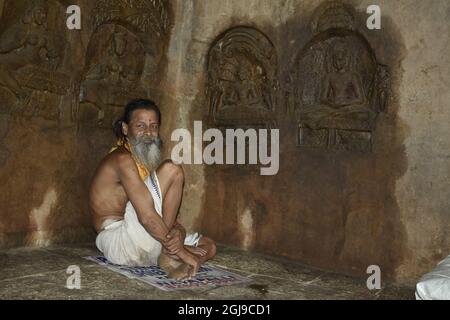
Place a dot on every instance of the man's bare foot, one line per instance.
(167, 263)
(183, 272)
(175, 268)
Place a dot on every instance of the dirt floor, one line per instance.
(40, 273)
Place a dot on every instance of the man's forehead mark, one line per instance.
(144, 122)
(141, 112)
(143, 119)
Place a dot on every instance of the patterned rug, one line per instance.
(207, 276)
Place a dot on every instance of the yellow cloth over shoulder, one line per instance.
(143, 172)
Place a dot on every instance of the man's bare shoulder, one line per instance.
(113, 161)
(117, 157)
(122, 162)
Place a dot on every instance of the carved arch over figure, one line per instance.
(336, 87)
(128, 40)
(242, 78)
(148, 20)
(33, 74)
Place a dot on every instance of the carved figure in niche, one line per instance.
(342, 86)
(149, 21)
(28, 42)
(32, 48)
(336, 86)
(129, 34)
(113, 73)
(241, 82)
(118, 67)
(335, 91)
(242, 78)
(150, 18)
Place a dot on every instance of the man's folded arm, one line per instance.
(178, 226)
(141, 199)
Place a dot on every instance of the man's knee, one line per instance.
(172, 170)
(213, 248)
(211, 244)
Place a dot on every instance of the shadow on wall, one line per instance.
(332, 203)
(58, 100)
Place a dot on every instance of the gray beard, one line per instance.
(149, 154)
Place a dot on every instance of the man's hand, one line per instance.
(174, 242)
(196, 251)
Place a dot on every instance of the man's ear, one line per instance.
(124, 128)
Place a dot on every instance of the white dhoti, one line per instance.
(435, 285)
(126, 242)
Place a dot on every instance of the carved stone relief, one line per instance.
(242, 78)
(148, 20)
(113, 72)
(336, 87)
(149, 17)
(32, 49)
(129, 36)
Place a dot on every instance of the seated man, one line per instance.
(135, 199)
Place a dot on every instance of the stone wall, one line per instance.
(364, 159)
(377, 198)
(60, 91)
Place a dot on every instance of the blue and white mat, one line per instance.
(207, 276)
